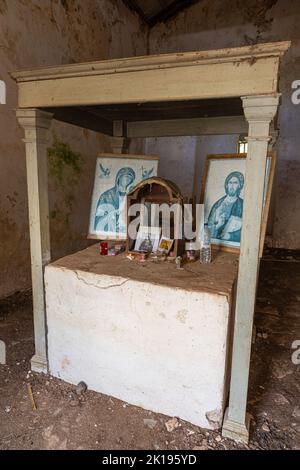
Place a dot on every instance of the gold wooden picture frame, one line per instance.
(223, 212)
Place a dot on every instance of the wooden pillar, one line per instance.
(259, 112)
(36, 125)
(119, 141)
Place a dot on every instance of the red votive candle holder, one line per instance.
(103, 248)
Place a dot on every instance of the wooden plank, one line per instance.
(130, 156)
(217, 80)
(82, 118)
(118, 128)
(159, 61)
(188, 127)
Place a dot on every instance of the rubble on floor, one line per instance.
(73, 417)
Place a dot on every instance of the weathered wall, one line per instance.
(212, 24)
(182, 159)
(50, 32)
(177, 160)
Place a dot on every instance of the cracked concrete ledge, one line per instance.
(99, 281)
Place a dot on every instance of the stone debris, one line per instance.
(7, 409)
(281, 370)
(57, 411)
(150, 423)
(172, 424)
(81, 388)
(265, 427)
(268, 310)
(296, 412)
(214, 418)
(262, 335)
(279, 399)
(2, 353)
(73, 399)
(218, 439)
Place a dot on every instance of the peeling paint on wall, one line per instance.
(53, 32)
(211, 24)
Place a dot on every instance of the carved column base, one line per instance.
(39, 364)
(236, 431)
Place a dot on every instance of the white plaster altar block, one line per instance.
(160, 348)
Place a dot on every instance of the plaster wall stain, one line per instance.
(3, 7)
(182, 315)
(53, 32)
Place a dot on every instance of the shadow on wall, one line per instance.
(182, 159)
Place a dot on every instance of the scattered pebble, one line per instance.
(81, 388)
(73, 400)
(218, 438)
(172, 424)
(150, 423)
(57, 411)
(265, 427)
(280, 399)
(7, 409)
(281, 370)
(296, 412)
(262, 335)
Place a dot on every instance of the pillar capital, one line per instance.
(260, 108)
(35, 123)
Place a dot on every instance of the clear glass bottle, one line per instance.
(205, 245)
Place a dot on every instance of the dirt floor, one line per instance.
(66, 420)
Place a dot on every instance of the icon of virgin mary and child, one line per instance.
(225, 218)
(110, 207)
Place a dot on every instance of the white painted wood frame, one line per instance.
(250, 72)
(36, 125)
(259, 111)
